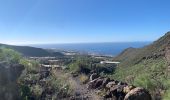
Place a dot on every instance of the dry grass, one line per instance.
(84, 78)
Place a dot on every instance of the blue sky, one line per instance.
(74, 21)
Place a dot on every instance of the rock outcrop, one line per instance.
(117, 90)
(93, 76)
(9, 74)
(138, 94)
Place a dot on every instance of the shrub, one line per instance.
(25, 92)
(167, 95)
(61, 87)
(84, 78)
(30, 65)
(83, 64)
(37, 91)
(151, 74)
(144, 81)
(9, 55)
(74, 67)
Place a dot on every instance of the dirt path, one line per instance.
(81, 92)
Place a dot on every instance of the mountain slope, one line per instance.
(155, 50)
(31, 51)
(147, 67)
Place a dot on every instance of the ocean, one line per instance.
(109, 49)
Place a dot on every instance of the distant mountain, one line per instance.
(32, 51)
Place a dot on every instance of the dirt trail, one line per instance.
(81, 92)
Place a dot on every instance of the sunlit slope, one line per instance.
(31, 51)
(157, 49)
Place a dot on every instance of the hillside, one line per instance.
(147, 67)
(31, 51)
(133, 56)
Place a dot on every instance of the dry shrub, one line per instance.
(84, 78)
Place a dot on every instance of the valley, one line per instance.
(135, 74)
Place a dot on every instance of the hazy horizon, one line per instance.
(23, 44)
(109, 48)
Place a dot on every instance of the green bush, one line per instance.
(10, 56)
(83, 64)
(61, 87)
(37, 91)
(167, 95)
(25, 92)
(30, 65)
(145, 81)
(74, 67)
(151, 74)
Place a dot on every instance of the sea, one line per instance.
(107, 49)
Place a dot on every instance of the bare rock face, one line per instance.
(138, 94)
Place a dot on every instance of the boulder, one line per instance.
(98, 83)
(122, 83)
(127, 88)
(120, 88)
(110, 84)
(115, 92)
(91, 84)
(105, 82)
(94, 76)
(138, 94)
(109, 96)
(113, 89)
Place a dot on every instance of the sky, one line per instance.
(81, 21)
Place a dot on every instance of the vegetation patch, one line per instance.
(151, 74)
(84, 78)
